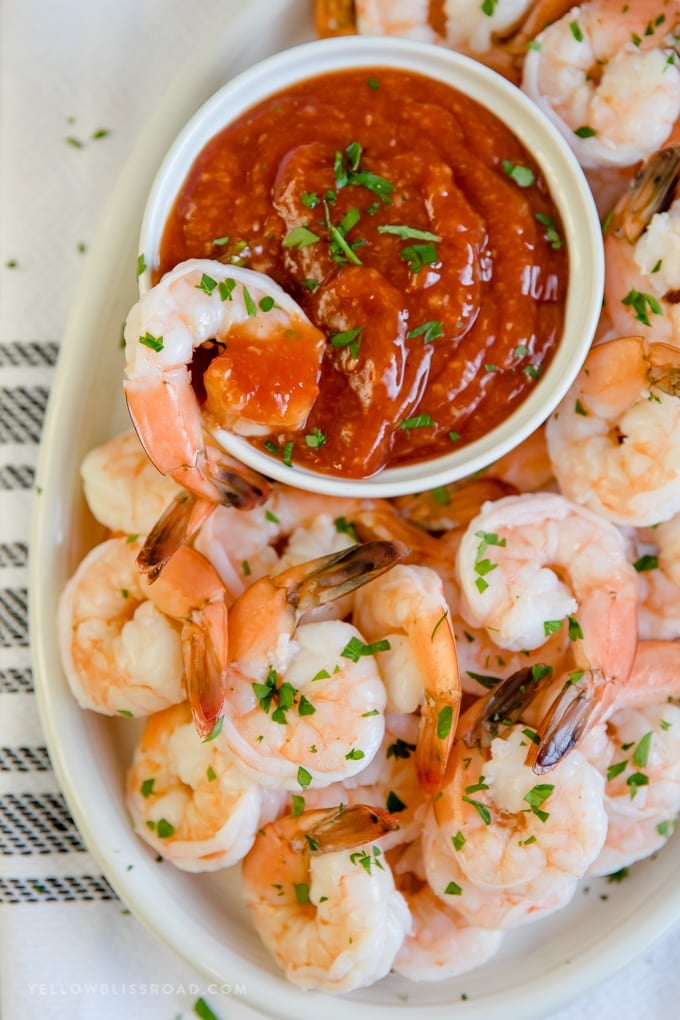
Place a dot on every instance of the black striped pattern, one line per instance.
(28, 354)
(37, 824)
(13, 554)
(51, 888)
(13, 618)
(24, 759)
(22, 410)
(16, 476)
(16, 681)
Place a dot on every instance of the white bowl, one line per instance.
(565, 179)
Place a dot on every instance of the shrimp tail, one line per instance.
(652, 191)
(240, 487)
(384, 523)
(436, 647)
(204, 650)
(342, 828)
(327, 578)
(503, 704)
(454, 505)
(438, 719)
(575, 710)
(176, 526)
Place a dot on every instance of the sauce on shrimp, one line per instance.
(414, 230)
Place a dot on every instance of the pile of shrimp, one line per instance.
(413, 724)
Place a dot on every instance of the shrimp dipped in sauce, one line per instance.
(189, 800)
(322, 897)
(200, 350)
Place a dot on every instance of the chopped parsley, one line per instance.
(536, 797)
(300, 237)
(154, 343)
(429, 331)
(419, 421)
(523, 176)
(355, 648)
(641, 305)
(349, 338)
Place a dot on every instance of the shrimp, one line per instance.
(407, 608)
(497, 835)
(323, 900)
(641, 760)
(530, 565)
(184, 321)
(442, 943)
(605, 75)
(131, 648)
(642, 252)
(658, 563)
(123, 489)
(188, 799)
(304, 704)
(613, 439)
(120, 653)
(389, 782)
(407, 18)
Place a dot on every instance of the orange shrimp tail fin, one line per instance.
(438, 720)
(436, 650)
(575, 710)
(327, 578)
(334, 829)
(176, 526)
(204, 648)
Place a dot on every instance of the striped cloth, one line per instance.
(78, 81)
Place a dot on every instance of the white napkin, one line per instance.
(79, 80)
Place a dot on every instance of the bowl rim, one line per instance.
(564, 177)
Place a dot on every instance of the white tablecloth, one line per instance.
(79, 78)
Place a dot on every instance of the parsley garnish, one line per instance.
(355, 648)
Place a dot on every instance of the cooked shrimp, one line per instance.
(442, 943)
(120, 653)
(657, 552)
(189, 800)
(190, 314)
(407, 608)
(504, 833)
(613, 440)
(389, 782)
(323, 900)
(494, 908)
(606, 77)
(641, 759)
(305, 701)
(121, 647)
(642, 252)
(123, 489)
(530, 565)
(407, 18)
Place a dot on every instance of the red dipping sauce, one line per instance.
(415, 231)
